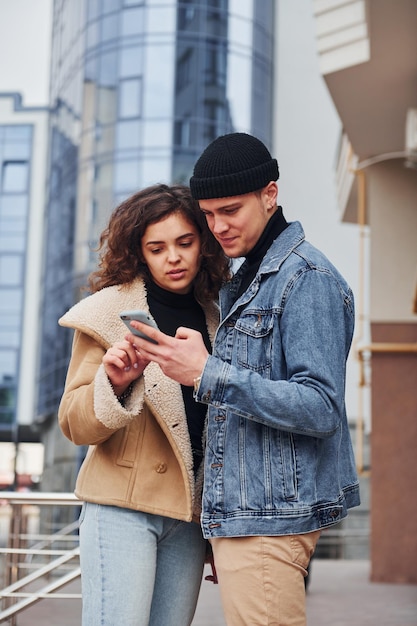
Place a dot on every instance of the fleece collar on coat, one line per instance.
(98, 316)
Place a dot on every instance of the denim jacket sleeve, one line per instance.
(291, 376)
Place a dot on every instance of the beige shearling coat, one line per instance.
(139, 455)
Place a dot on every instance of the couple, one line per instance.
(278, 460)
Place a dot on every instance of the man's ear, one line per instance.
(271, 194)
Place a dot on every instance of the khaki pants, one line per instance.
(261, 579)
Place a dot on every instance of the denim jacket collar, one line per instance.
(280, 249)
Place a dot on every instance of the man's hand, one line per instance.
(182, 357)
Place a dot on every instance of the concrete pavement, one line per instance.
(339, 594)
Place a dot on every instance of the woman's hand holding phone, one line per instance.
(122, 363)
(181, 358)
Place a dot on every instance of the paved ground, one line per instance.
(340, 594)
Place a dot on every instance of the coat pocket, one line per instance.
(254, 341)
(130, 443)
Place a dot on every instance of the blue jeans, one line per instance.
(138, 569)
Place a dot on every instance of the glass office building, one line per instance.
(23, 133)
(138, 89)
(15, 160)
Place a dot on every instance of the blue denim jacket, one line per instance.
(279, 457)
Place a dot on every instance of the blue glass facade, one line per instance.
(138, 89)
(15, 168)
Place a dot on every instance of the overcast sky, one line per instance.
(25, 34)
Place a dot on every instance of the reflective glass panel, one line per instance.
(15, 176)
(127, 175)
(10, 270)
(9, 243)
(133, 21)
(128, 134)
(8, 363)
(13, 206)
(109, 27)
(130, 97)
(12, 225)
(131, 61)
(108, 69)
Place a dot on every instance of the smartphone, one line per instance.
(140, 316)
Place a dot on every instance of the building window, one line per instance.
(186, 13)
(182, 133)
(14, 176)
(109, 27)
(215, 9)
(11, 270)
(184, 70)
(7, 391)
(128, 134)
(131, 61)
(215, 119)
(133, 22)
(130, 95)
(215, 69)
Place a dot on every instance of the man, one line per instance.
(279, 464)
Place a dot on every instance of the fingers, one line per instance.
(181, 358)
(156, 335)
(188, 333)
(121, 355)
(123, 364)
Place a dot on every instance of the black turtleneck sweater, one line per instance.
(274, 227)
(171, 310)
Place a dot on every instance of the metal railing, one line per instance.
(37, 564)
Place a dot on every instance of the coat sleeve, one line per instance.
(89, 411)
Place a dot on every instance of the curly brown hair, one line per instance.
(120, 255)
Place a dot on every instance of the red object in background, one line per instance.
(24, 481)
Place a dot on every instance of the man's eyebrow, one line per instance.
(232, 205)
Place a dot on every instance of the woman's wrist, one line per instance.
(121, 393)
(125, 394)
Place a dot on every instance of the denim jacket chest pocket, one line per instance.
(253, 341)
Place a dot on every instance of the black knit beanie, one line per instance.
(232, 165)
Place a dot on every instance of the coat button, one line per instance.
(161, 468)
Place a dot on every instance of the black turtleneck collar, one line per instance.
(276, 224)
(171, 309)
(170, 298)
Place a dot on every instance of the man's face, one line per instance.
(237, 222)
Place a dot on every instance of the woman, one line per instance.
(142, 554)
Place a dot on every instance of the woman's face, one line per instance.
(171, 250)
